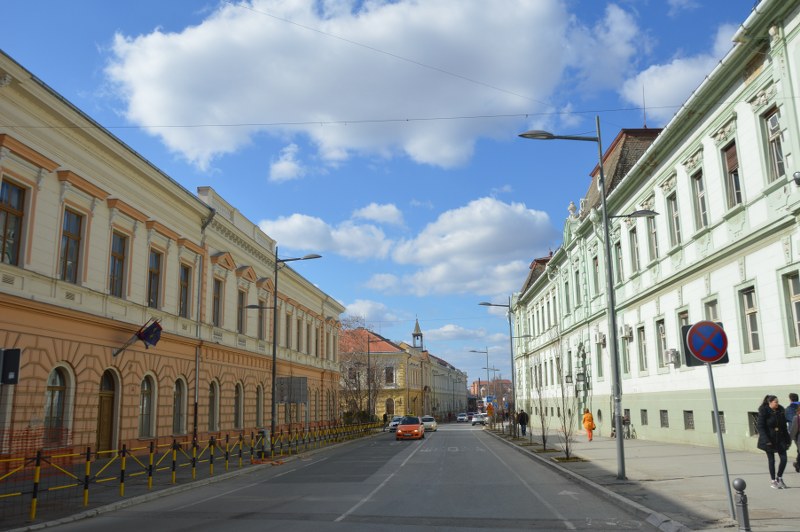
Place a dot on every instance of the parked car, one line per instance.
(479, 419)
(430, 423)
(394, 422)
(410, 428)
(470, 415)
(462, 418)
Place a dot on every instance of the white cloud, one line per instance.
(371, 311)
(383, 282)
(347, 239)
(678, 6)
(386, 213)
(350, 77)
(484, 248)
(453, 332)
(287, 167)
(668, 86)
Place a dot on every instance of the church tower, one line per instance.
(417, 336)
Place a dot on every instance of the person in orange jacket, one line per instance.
(588, 423)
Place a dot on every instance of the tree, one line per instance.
(361, 372)
(567, 402)
(541, 400)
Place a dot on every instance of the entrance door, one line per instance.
(105, 413)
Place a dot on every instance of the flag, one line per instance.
(150, 334)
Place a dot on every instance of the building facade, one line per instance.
(724, 247)
(96, 243)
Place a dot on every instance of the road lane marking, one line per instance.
(380, 486)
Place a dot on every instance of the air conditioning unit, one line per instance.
(600, 338)
(671, 356)
(625, 331)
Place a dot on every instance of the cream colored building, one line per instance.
(725, 247)
(95, 243)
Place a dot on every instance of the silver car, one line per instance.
(430, 423)
(394, 422)
(479, 419)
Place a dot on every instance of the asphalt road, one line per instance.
(458, 478)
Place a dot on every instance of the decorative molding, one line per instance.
(693, 161)
(5, 79)
(763, 97)
(742, 270)
(726, 132)
(648, 203)
(669, 183)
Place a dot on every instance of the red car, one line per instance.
(410, 428)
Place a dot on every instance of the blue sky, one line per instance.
(382, 134)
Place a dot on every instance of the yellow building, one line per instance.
(96, 243)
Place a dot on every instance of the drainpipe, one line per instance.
(205, 223)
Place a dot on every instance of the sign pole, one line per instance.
(721, 444)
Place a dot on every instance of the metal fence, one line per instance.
(47, 484)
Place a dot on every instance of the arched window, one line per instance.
(238, 406)
(179, 407)
(213, 407)
(260, 406)
(146, 400)
(55, 408)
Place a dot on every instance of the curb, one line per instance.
(652, 517)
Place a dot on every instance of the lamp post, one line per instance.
(274, 411)
(486, 352)
(610, 300)
(511, 347)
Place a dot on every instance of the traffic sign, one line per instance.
(707, 342)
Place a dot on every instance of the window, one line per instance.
(288, 334)
(626, 355)
(733, 188)
(776, 163)
(599, 367)
(652, 238)
(566, 297)
(577, 288)
(643, 417)
(721, 422)
(116, 274)
(262, 324)
(179, 408)
(642, 345)
(154, 279)
(299, 335)
(55, 408)
(241, 303)
(12, 205)
(618, 261)
(146, 396)
(216, 303)
(749, 308)
(791, 285)
(700, 209)
(633, 240)
(70, 246)
(664, 415)
(238, 406)
(184, 291)
(213, 407)
(688, 420)
(673, 220)
(710, 308)
(661, 342)
(596, 274)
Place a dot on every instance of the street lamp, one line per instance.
(486, 352)
(274, 412)
(611, 303)
(511, 346)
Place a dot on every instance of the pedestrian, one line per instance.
(385, 420)
(791, 410)
(588, 423)
(773, 437)
(522, 418)
(794, 435)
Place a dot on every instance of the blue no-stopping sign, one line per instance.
(707, 341)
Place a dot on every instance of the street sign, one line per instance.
(707, 342)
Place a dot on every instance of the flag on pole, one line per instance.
(150, 334)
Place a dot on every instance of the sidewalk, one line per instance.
(681, 483)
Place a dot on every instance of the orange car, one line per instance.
(410, 428)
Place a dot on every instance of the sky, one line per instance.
(383, 134)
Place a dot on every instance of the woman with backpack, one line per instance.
(773, 437)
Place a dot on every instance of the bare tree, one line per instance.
(541, 401)
(567, 401)
(361, 372)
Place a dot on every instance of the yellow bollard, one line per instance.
(122, 472)
(36, 474)
(86, 476)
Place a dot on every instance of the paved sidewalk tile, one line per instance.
(685, 483)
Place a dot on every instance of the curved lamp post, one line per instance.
(274, 411)
(511, 346)
(611, 304)
(486, 352)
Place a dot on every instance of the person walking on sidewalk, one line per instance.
(794, 435)
(588, 423)
(522, 419)
(791, 410)
(773, 437)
